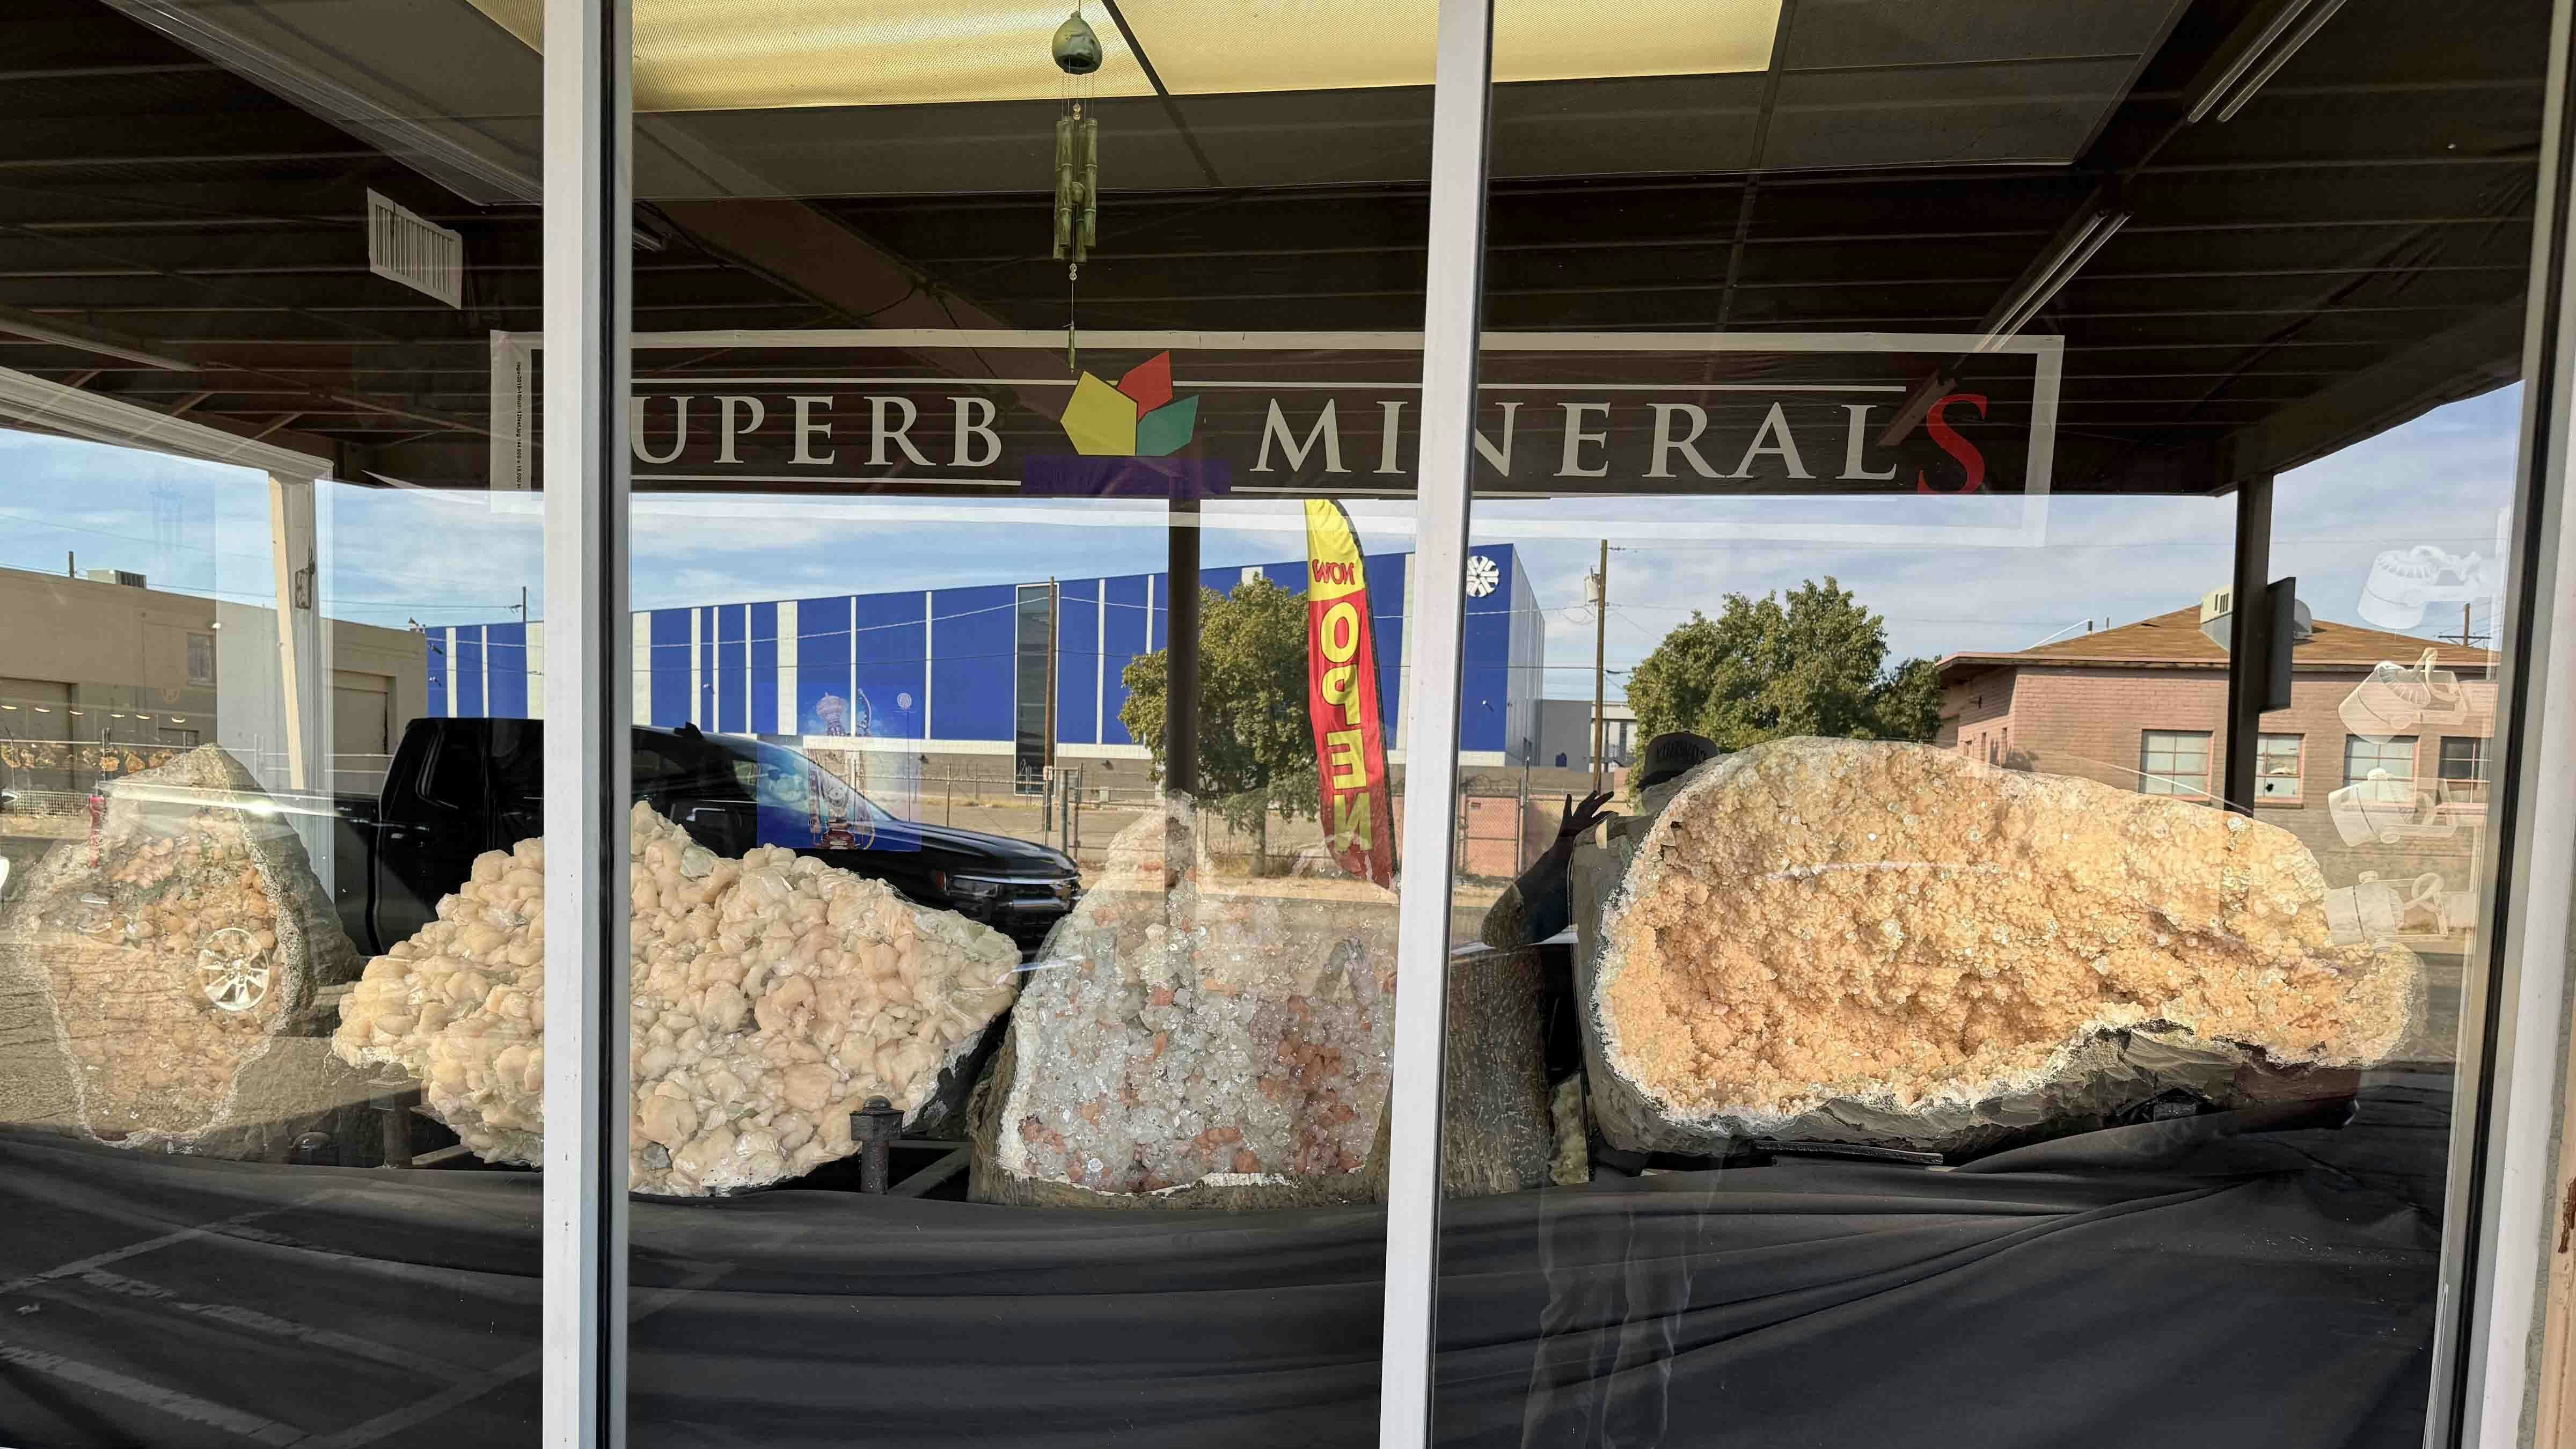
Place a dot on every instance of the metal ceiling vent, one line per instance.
(415, 251)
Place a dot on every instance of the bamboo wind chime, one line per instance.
(1077, 166)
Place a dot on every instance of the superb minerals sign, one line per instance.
(1196, 415)
(1341, 698)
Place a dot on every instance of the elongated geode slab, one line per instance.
(1892, 942)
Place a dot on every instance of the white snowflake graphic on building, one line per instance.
(1482, 577)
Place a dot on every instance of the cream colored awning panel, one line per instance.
(1202, 47)
(703, 55)
(759, 55)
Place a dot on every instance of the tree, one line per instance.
(1256, 749)
(1769, 668)
(1909, 701)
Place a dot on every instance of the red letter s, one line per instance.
(1957, 447)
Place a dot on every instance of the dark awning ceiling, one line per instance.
(2345, 253)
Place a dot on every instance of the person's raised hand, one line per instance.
(1580, 818)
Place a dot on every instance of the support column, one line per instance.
(2249, 636)
(303, 667)
(299, 643)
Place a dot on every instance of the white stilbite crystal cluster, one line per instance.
(772, 996)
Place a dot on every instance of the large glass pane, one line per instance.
(978, 410)
(265, 1061)
(1934, 1052)
(2403, 539)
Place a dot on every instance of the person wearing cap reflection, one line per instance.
(1540, 903)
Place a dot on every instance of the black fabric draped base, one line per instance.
(2185, 1282)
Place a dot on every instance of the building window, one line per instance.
(201, 659)
(2277, 766)
(2391, 761)
(2173, 762)
(1035, 680)
(455, 777)
(2464, 770)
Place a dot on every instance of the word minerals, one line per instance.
(1955, 450)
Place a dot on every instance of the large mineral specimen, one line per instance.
(1186, 1040)
(176, 952)
(773, 995)
(1885, 942)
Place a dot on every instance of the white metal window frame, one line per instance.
(2296, 779)
(1453, 301)
(2501, 1197)
(2497, 1243)
(75, 412)
(589, 702)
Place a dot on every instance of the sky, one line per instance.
(392, 556)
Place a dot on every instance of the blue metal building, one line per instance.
(963, 670)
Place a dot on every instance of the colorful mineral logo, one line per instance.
(1129, 440)
(1138, 418)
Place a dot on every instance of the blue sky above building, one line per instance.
(392, 556)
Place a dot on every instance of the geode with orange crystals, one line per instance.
(1851, 941)
(1187, 1040)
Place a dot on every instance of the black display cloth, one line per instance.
(2188, 1282)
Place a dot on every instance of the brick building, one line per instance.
(2144, 707)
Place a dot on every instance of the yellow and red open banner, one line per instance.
(1341, 698)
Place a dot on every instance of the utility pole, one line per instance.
(523, 605)
(2464, 626)
(1181, 649)
(1600, 592)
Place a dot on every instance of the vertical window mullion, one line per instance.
(1454, 294)
(588, 708)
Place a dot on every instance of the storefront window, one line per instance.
(249, 559)
(1001, 514)
(1936, 486)
(1870, 414)
(2402, 667)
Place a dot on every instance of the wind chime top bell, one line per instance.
(1077, 46)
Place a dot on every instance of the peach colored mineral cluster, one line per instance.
(1180, 1031)
(174, 948)
(1898, 925)
(773, 995)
